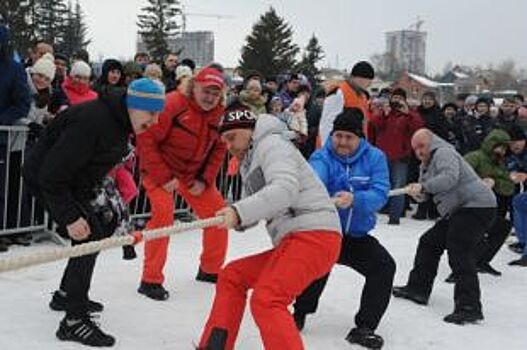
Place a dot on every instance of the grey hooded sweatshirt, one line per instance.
(280, 187)
(452, 182)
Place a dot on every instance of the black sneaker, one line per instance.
(84, 331)
(486, 268)
(206, 277)
(463, 316)
(520, 262)
(59, 302)
(153, 291)
(300, 320)
(517, 247)
(393, 221)
(405, 293)
(451, 278)
(365, 337)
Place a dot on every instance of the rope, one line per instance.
(49, 255)
(18, 262)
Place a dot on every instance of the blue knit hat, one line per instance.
(146, 95)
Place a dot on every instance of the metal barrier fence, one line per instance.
(21, 213)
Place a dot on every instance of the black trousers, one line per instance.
(369, 258)
(493, 239)
(459, 235)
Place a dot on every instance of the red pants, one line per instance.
(214, 239)
(277, 277)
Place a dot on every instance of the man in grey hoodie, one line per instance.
(280, 188)
(467, 207)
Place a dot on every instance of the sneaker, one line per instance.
(300, 320)
(517, 247)
(520, 262)
(154, 291)
(451, 278)
(405, 293)
(365, 337)
(84, 331)
(463, 316)
(206, 277)
(393, 221)
(59, 302)
(486, 268)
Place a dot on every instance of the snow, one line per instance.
(427, 82)
(26, 322)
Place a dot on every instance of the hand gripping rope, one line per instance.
(17, 262)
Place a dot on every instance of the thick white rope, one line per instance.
(49, 255)
(17, 262)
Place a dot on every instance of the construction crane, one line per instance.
(417, 24)
(184, 15)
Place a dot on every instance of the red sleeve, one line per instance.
(377, 119)
(214, 162)
(148, 147)
(416, 122)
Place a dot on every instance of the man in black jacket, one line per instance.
(66, 170)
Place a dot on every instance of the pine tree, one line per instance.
(51, 21)
(310, 58)
(157, 25)
(269, 49)
(16, 15)
(75, 34)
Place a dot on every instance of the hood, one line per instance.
(109, 65)
(346, 160)
(495, 138)
(116, 102)
(267, 125)
(79, 89)
(258, 103)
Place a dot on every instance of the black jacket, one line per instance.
(474, 130)
(75, 153)
(434, 120)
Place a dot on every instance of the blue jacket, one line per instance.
(15, 98)
(364, 173)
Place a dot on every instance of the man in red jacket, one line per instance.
(183, 154)
(394, 126)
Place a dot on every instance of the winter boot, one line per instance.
(517, 247)
(406, 293)
(203, 276)
(217, 340)
(465, 315)
(394, 221)
(365, 337)
(59, 302)
(154, 291)
(520, 262)
(486, 268)
(83, 330)
(300, 320)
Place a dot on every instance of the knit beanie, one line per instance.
(471, 100)
(237, 116)
(516, 133)
(350, 120)
(146, 95)
(45, 66)
(363, 70)
(484, 100)
(80, 69)
(182, 72)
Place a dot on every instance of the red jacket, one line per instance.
(393, 133)
(184, 144)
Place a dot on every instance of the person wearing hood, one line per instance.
(351, 93)
(467, 207)
(112, 77)
(356, 174)
(77, 84)
(67, 170)
(183, 154)
(252, 97)
(476, 126)
(15, 103)
(281, 189)
(489, 163)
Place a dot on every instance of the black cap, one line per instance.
(237, 116)
(350, 120)
(363, 70)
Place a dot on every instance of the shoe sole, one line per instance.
(153, 298)
(64, 338)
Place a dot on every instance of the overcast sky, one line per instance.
(461, 31)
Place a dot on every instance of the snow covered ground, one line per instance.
(139, 323)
